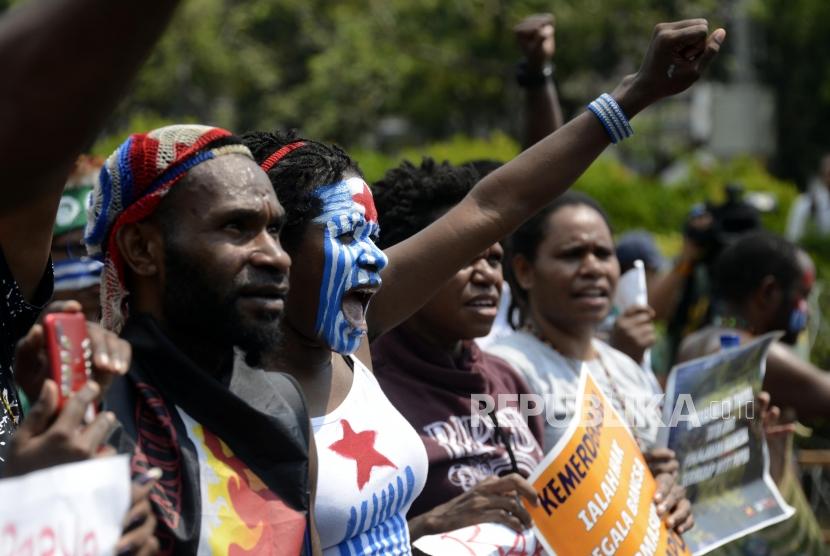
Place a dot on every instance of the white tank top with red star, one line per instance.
(371, 465)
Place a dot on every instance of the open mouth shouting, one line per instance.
(354, 305)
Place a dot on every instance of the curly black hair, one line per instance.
(296, 176)
(526, 240)
(409, 198)
(742, 266)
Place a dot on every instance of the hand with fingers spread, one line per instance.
(678, 54)
(110, 354)
(633, 332)
(493, 500)
(44, 440)
(672, 505)
(536, 38)
(138, 537)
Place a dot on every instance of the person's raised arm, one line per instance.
(499, 203)
(543, 114)
(65, 64)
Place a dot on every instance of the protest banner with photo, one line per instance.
(723, 457)
(595, 491)
(76, 508)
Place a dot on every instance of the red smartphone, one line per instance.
(70, 352)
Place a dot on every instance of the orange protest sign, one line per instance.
(595, 491)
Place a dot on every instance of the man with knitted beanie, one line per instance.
(187, 225)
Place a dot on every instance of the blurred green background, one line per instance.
(387, 75)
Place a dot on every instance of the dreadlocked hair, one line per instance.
(298, 174)
(525, 242)
(409, 198)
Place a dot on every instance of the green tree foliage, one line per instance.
(632, 200)
(336, 69)
(795, 64)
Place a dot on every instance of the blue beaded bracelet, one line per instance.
(619, 129)
(612, 118)
(597, 110)
(621, 117)
(611, 114)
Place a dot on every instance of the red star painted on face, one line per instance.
(364, 198)
(360, 446)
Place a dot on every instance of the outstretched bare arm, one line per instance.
(508, 196)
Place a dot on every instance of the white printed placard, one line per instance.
(73, 509)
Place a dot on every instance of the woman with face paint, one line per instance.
(371, 462)
(351, 262)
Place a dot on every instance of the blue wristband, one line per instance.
(619, 127)
(618, 112)
(612, 118)
(597, 111)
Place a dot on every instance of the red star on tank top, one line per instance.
(360, 446)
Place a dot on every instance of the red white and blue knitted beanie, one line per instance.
(132, 183)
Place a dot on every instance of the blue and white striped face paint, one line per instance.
(352, 263)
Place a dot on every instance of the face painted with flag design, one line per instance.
(351, 262)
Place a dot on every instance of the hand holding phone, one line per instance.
(70, 352)
(36, 352)
(50, 437)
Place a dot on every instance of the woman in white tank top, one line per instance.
(330, 226)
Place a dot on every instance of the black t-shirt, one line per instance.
(16, 318)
